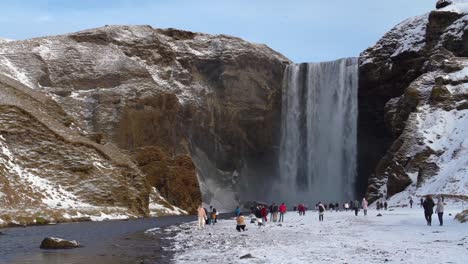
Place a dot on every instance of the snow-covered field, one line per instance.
(398, 236)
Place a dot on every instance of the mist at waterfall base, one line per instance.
(318, 146)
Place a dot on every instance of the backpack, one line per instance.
(321, 209)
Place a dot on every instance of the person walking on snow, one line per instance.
(275, 212)
(282, 211)
(411, 202)
(364, 205)
(428, 205)
(201, 217)
(356, 207)
(214, 216)
(264, 213)
(440, 211)
(321, 209)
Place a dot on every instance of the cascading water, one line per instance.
(317, 160)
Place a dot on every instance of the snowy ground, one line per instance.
(399, 236)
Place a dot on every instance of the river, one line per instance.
(103, 242)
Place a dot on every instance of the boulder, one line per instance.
(462, 217)
(443, 3)
(58, 243)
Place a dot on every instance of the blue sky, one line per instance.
(302, 30)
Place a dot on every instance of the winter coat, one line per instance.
(237, 212)
(264, 212)
(364, 204)
(282, 208)
(440, 207)
(201, 213)
(428, 205)
(321, 209)
(240, 220)
(356, 204)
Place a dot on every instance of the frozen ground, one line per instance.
(399, 236)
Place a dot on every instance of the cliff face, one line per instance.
(411, 99)
(205, 104)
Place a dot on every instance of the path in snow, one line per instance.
(399, 236)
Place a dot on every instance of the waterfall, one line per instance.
(317, 159)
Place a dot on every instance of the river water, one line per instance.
(104, 242)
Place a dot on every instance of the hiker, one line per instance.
(321, 209)
(440, 211)
(240, 222)
(346, 207)
(237, 211)
(428, 205)
(337, 207)
(356, 207)
(201, 217)
(411, 202)
(270, 209)
(214, 216)
(378, 205)
(364, 205)
(385, 205)
(331, 207)
(275, 212)
(264, 213)
(282, 211)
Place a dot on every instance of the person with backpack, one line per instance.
(440, 211)
(364, 205)
(321, 209)
(428, 206)
(214, 216)
(282, 211)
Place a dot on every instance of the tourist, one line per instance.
(356, 207)
(275, 212)
(331, 207)
(214, 216)
(346, 207)
(364, 205)
(282, 211)
(201, 217)
(440, 211)
(411, 202)
(264, 213)
(237, 211)
(337, 207)
(428, 206)
(270, 209)
(240, 222)
(385, 205)
(321, 209)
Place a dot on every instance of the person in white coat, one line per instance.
(364, 204)
(440, 211)
(201, 217)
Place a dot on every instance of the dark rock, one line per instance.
(379, 214)
(247, 256)
(443, 3)
(57, 243)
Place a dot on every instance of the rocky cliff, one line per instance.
(412, 107)
(175, 109)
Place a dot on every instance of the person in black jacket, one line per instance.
(428, 205)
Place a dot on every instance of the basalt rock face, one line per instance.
(411, 115)
(184, 97)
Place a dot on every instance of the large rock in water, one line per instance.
(215, 99)
(58, 243)
(412, 117)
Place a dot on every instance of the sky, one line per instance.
(302, 30)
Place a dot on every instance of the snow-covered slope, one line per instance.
(429, 119)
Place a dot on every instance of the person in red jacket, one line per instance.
(264, 213)
(282, 210)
